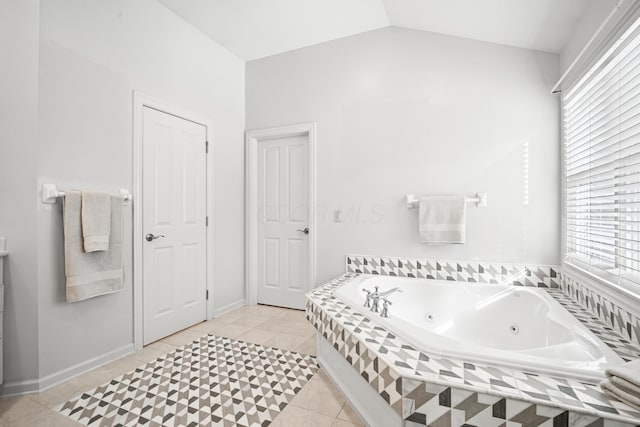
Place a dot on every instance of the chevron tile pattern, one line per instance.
(213, 381)
(622, 321)
(616, 338)
(436, 391)
(440, 405)
(460, 271)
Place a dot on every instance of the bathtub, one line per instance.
(502, 325)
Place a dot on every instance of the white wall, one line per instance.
(592, 18)
(93, 55)
(18, 154)
(401, 111)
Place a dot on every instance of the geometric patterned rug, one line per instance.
(213, 381)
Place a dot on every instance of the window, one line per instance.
(601, 126)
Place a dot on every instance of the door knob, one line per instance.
(150, 237)
(305, 230)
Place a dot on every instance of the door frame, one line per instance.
(252, 139)
(140, 101)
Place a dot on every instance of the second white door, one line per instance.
(283, 221)
(174, 224)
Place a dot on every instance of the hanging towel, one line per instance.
(96, 220)
(623, 383)
(442, 220)
(95, 273)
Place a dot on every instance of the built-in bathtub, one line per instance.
(500, 325)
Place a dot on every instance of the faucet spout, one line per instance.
(389, 292)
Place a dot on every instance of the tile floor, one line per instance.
(319, 403)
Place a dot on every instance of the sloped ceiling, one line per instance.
(255, 29)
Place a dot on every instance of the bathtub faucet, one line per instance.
(377, 296)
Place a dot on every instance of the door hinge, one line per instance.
(206, 147)
(206, 221)
(207, 294)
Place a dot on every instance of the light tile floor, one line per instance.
(319, 403)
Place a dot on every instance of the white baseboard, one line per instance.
(229, 307)
(44, 383)
(17, 388)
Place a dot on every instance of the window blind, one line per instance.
(601, 133)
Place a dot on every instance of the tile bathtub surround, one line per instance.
(622, 321)
(460, 271)
(615, 339)
(439, 405)
(211, 381)
(395, 369)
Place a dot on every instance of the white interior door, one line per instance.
(173, 223)
(283, 221)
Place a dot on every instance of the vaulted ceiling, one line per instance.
(254, 29)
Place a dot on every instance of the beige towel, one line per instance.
(623, 383)
(621, 394)
(630, 371)
(96, 220)
(95, 273)
(442, 220)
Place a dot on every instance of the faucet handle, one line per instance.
(385, 308)
(367, 301)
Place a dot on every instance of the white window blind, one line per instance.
(601, 127)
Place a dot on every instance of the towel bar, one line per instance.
(480, 200)
(50, 194)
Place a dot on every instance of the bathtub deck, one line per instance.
(409, 380)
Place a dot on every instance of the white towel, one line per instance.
(96, 273)
(442, 220)
(96, 220)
